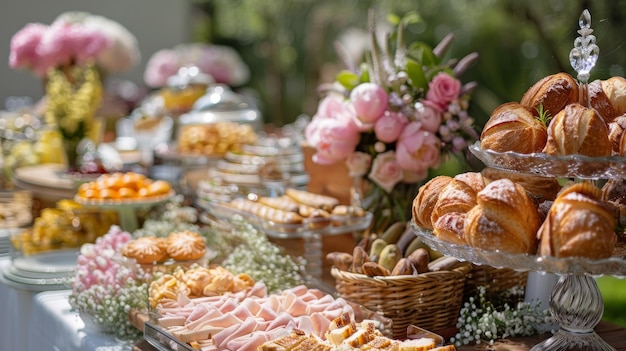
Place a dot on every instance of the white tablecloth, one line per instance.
(43, 321)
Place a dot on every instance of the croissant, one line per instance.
(552, 93)
(455, 200)
(578, 130)
(505, 218)
(540, 187)
(601, 102)
(615, 90)
(426, 198)
(616, 135)
(512, 127)
(579, 224)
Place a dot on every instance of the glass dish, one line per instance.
(571, 166)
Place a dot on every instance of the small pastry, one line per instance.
(601, 102)
(322, 202)
(579, 224)
(616, 135)
(425, 200)
(265, 212)
(145, 250)
(512, 127)
(578, 130)
(540, 187)
(505, 218)
(185, 245)
(552, 93)
(615, 90)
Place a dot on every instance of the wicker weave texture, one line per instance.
(431, 301)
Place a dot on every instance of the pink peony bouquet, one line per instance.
(396, 116)
(74, 38)
(222, 63)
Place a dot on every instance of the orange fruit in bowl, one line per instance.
(109, 194)
(127, 193)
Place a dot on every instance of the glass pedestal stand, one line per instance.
(577, 305)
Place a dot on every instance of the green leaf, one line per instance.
(423, 53)
(393, 19)
(348, 79)
(416, 73)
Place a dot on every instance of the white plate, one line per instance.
(58, 261)
(29, 284)
(37, 275)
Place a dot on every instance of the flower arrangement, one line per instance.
(74, 38)
(222, 63)
(106, 290)
(482, 320)
(395, 116)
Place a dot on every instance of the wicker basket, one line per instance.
(495, 280)
(431, 301)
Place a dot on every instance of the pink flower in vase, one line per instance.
(358, 164)
(370, 101)
(386, 171)
(24, 45)
(418, 149)
(443, 89)
(162, 65)
(334, 138)
(389, 126)
(428, 113)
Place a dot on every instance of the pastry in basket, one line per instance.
(425, 200)
(455, 200)
(185, 245)
(578, 130)
(540, 187)
(145, 250)
(579, 224)
(505, 218)
(513, 127)
(551, 94)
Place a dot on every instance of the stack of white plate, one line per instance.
(51, 270)
(5, 242)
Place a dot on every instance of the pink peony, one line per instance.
(24, 45)
(386, 172)
(428, 113)
(334, 138)
(370, 102)
(417, 149)
(358, 164)
(389, 126)
(442, 89)
(162, 65)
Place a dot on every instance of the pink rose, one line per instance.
(389, 126)
(386, 172)
(334, 139)
(358, 164)
(369, 101)
(162, 65)
(24, 45)
(443, 89)
(428, 113)
(417, 149)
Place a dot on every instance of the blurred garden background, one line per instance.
(289, 46)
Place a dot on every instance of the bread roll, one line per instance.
(425, 200)
(578, 130)
(512, 127)
(505, 218)
(615, 90)
(601, 102)
(553, 93)
(616, 135)
(455, 200)
(540, 187)
(579, 224)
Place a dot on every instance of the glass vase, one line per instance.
(70, 149)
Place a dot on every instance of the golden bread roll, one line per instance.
(616, 135)
(615, 90)
(552, 93)
(601, 102)
(426, 198)
(614, 193)
(579, 224)
(540, 187)
(505, 218)
(455, 200)
(512, 127)
(578, 130)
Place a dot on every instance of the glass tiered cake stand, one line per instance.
(575, 302)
